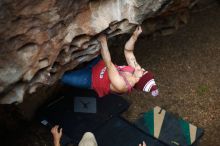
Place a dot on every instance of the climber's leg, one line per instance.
(81, 78)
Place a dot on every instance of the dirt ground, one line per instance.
(186, 65)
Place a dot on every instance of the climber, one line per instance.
(88, 138)
(105, 77)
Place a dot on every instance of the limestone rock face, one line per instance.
(40, 40)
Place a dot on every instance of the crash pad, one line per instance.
(119, 132)
(172, 130)
(61, 111)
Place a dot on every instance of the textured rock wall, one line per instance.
(40, 40)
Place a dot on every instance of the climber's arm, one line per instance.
(129, 49)
(116, 80)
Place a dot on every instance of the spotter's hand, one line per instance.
(144, 144)
(56, 133)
